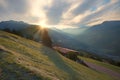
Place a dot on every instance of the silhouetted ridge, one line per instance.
(29, 31)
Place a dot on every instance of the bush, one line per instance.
(72, 56)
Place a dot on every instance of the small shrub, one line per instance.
(72, 56)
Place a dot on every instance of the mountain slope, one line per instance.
(103, 69)
(29, 31)
(20, 28)
(102, 39)
(23, 59)
(103, 64)
(13, 25)
(61, 38)
(33, 32)
(75, 31)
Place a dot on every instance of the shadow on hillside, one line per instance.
(58, 61)
(11, 71)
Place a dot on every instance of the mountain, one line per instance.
(24, 55)
(29, 31)
(75, 31)
(33, 32)
(16, 25)
(20, 28)
(24, 59)
(63, 39)
(102, 39)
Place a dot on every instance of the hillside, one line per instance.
(29, 31)
(63, 39)
(112, 67)
(23, 59)
(102, 67)
(33, 32)
(102, 39)
(22, 29)
(13, 25)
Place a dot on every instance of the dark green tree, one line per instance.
(45, 37)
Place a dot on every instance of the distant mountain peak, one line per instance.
(12, 21)
(108, 22)
(13, 25)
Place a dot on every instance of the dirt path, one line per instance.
(104, 70)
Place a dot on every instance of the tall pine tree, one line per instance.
(45, 37)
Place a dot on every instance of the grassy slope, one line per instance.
(112, 67)
(22, 59)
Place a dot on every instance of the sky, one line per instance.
(60, 13)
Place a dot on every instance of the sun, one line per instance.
(43, 25)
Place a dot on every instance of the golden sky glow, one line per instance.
(60, 13)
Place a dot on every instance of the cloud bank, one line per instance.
(60, 13)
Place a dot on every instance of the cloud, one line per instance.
(86, 5)
(80, 10)
(69, 13)
(104, 13)
(23, 10)
(17, 6)
(13, 9)
(56, 10)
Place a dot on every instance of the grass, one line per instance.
(107, 65)
(23, 59)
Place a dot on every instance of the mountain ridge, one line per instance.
(103, 39)
(91, 40)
